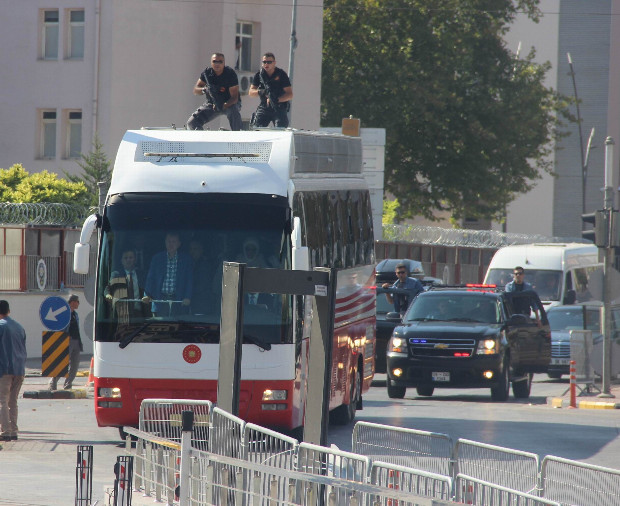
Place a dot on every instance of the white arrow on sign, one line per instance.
(51, 315)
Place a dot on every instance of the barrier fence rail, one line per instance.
(239, 463)
(570, 482)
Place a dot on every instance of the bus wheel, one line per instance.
(345, 414)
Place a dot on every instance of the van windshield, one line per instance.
(547, 284)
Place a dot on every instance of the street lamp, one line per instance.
(586, 156)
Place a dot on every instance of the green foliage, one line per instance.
(390, 208)
(95, 168)
(468, 124)
(17, 185)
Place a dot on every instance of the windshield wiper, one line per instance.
(257, 341)
(127, 339)
(463, 320)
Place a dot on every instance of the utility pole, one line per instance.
(612, 238)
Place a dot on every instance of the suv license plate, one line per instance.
(441, 376)
(560, 361)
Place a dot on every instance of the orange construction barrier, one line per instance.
(573, 384)
(91, 377)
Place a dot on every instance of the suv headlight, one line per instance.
(397, 345)
(487, 347)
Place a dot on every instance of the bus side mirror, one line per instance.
(301, 257)
(81, 258)
(81, 252)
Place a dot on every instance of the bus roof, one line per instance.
(260, 161)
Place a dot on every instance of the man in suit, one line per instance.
(169, 278)
(125, 289)
(75, 345)
(264, 300)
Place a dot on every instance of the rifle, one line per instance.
(270, 93)
(216, 97)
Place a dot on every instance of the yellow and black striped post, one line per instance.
(55, 354)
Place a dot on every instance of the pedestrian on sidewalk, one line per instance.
(12, 371)
(75, 345)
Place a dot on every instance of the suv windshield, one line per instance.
(466, 306)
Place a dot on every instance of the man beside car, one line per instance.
(522, 305)
(412, 286)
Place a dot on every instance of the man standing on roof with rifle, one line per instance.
(274, 88)
(220, 85)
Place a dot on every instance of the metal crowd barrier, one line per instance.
(513, 469)
(411, 480)
(163, 418)
(239, 463)
(470, 490)
(216, 479)
(570, 482)
(427, 451)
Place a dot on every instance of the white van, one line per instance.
(560, 273)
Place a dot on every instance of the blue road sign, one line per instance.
(55, 313)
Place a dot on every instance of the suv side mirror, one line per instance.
(393, 316)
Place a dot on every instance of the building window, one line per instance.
(244, 36)
(75, 35)
(49, 35)
(47, 145)
(73, 134)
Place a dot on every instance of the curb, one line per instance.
(559, 402)
(78, 393)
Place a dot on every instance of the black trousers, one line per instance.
(206, 113)
(266, 114)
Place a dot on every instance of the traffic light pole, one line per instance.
(607, 267)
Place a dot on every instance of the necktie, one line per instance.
(130, 292)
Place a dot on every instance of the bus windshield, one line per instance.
(160, 266)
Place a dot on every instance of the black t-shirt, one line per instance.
(277, 82)
(226, 80)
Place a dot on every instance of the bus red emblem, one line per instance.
(191, 354)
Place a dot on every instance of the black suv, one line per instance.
(468, 337)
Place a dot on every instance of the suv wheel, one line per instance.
(499, 392)
(425, 390)
(521, 389)
(395, 392)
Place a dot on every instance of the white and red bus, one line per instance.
(279, 199)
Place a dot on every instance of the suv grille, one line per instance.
(560, 350)
(438, 347)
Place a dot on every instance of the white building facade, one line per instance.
(75, 67)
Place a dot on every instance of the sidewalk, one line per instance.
(589, 398)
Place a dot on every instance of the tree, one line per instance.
(95, 168)
(18, 186)
(468, 124)
(390, 209)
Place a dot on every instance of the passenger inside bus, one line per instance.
(126, 288)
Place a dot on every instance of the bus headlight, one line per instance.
(487, 347)
(274, 395)
(113, 393)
